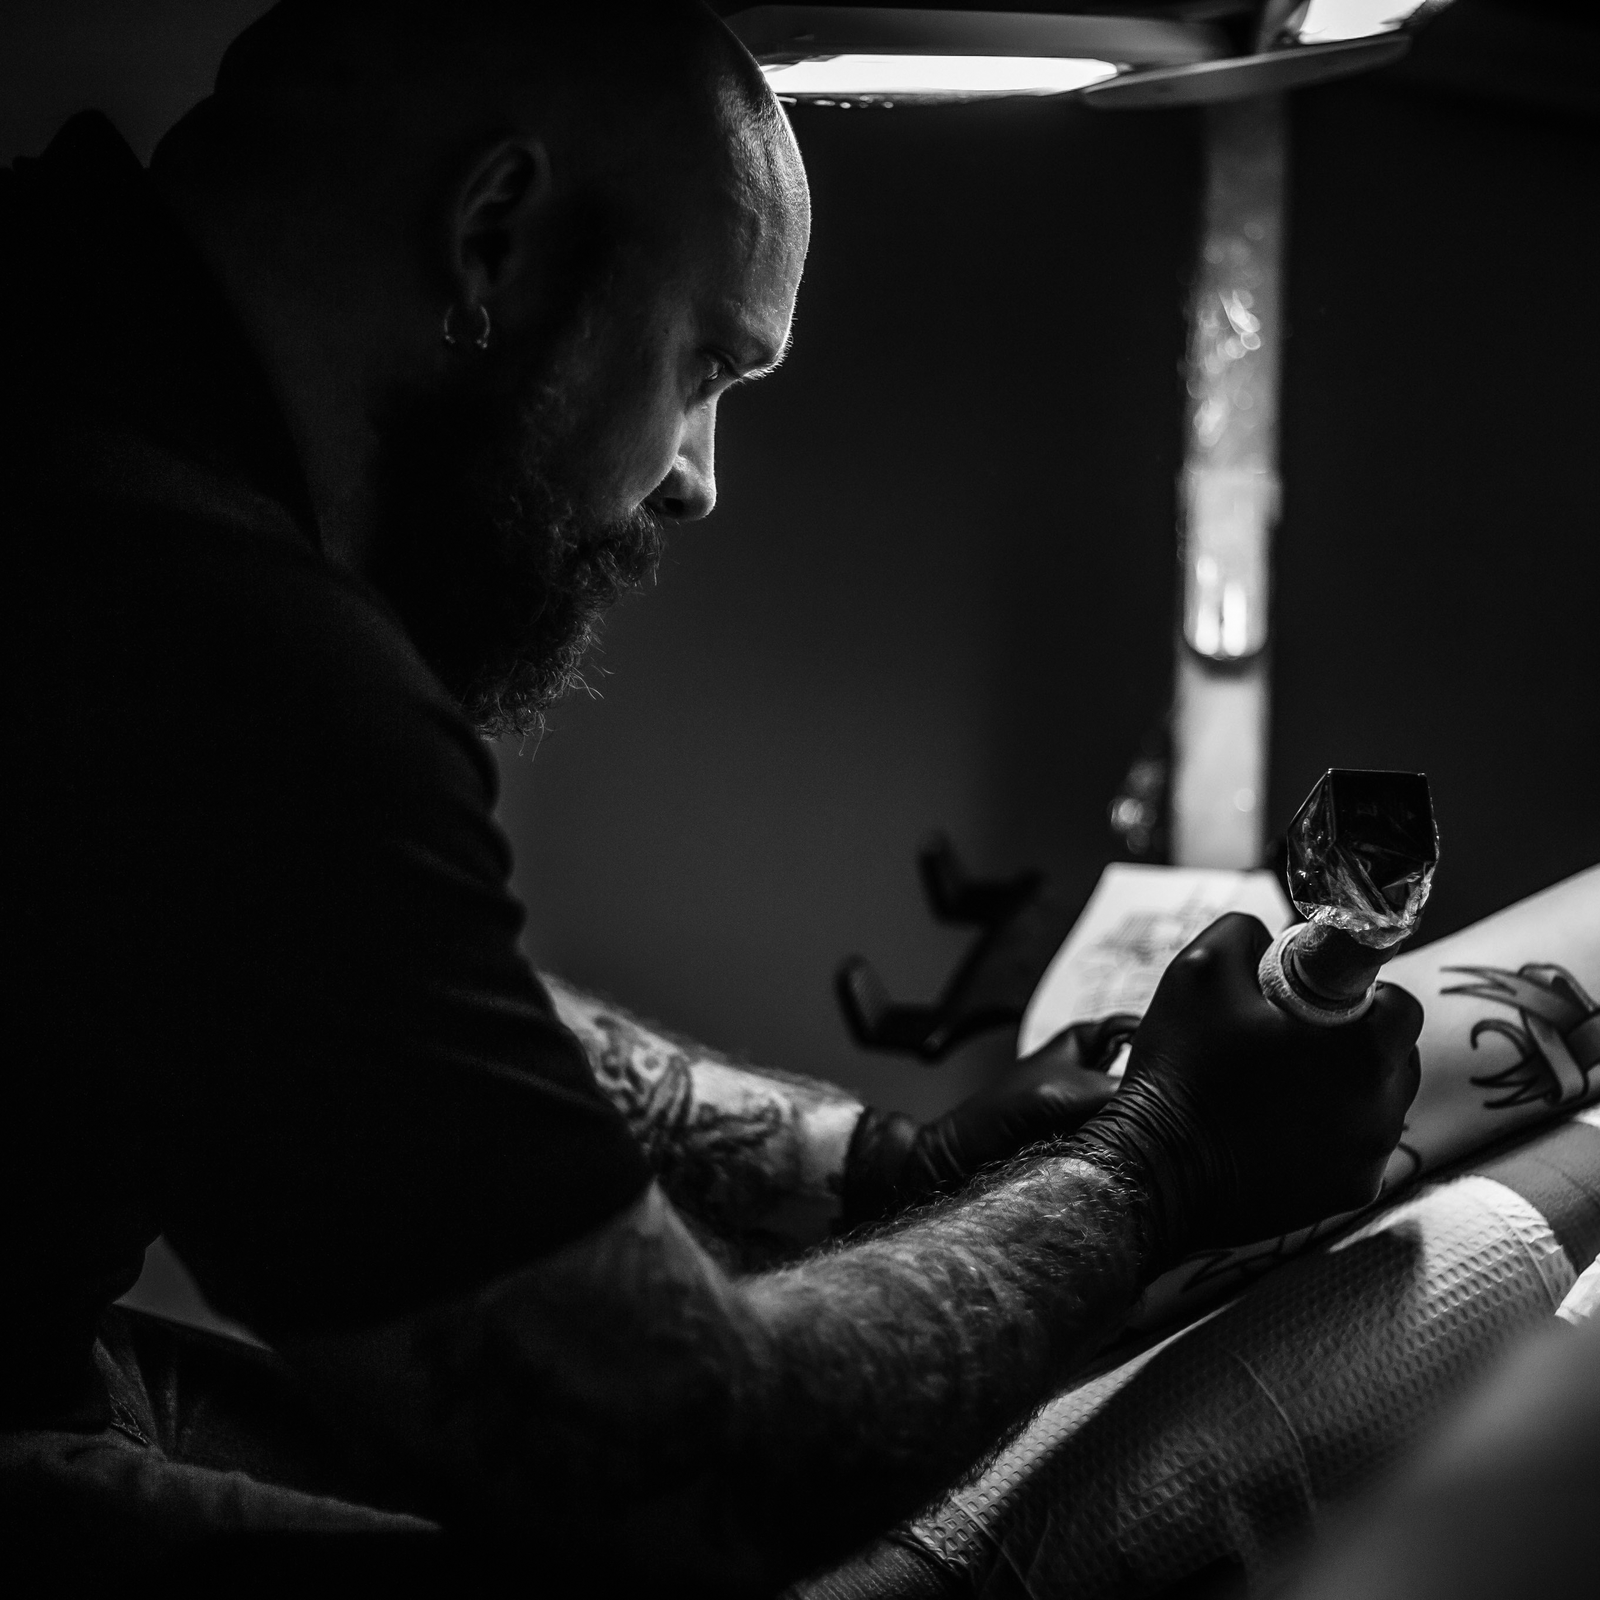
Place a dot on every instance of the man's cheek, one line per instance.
(644, 455)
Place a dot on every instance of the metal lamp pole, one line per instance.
(1229, 490)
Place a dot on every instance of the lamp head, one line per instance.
(886, 55)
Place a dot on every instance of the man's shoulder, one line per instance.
(202, 617)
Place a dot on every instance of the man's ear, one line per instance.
(498, 214)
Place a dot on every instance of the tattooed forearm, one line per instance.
(756, 1156)
(627, 1399)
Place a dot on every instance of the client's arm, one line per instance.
(744, 1152)
(628, 1399)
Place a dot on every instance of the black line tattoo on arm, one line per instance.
(756, 1157)
(628, 1401)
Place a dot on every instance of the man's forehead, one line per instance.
(727, 205)
(745, 260)
(754, 336)
(747, 304)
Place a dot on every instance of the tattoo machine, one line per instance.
(1362, 852)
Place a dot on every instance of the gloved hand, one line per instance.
(894, 1162)
(1240, 1122)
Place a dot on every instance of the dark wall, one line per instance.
(936, 591)
(142, 62)
(1439, 564)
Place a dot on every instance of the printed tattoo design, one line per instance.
(1557, 1036)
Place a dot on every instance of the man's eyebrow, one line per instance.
(766, 368)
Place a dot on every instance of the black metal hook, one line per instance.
(1022, 927)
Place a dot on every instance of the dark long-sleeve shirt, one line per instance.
(263, 977)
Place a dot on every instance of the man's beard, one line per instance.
(485, 548)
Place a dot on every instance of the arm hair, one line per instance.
(752, 1157)
(627, 1398)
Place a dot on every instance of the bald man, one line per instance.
(324, 444)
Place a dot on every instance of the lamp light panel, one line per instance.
(869, 78)
(1330, 21)
(883, 55)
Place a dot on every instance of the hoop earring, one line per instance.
(480, 342)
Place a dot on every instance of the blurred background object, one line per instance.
(1499, 1504)
(142, 62)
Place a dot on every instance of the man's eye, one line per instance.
(713, 372)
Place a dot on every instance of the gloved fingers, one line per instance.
(1040, 1073)
(1373, 1127)
(1401, 1091)
(1239, 938)
(1074, 1100)
(1103, 1039)
(1384, 1055)
(1087, 1046)
(1411, 1078)
(1361, 1188)
(1063, 1050)
(1221, 962)
(1035, 1102)
(1394, 1018)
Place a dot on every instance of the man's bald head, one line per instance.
(609, 189)
(616, 87)
(386, 100)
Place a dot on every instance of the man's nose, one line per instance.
(689, 490)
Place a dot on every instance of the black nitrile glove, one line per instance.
(894, 1163)
(1240, 1122)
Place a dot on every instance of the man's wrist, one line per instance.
(874, 1161)
(1155, 1209)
